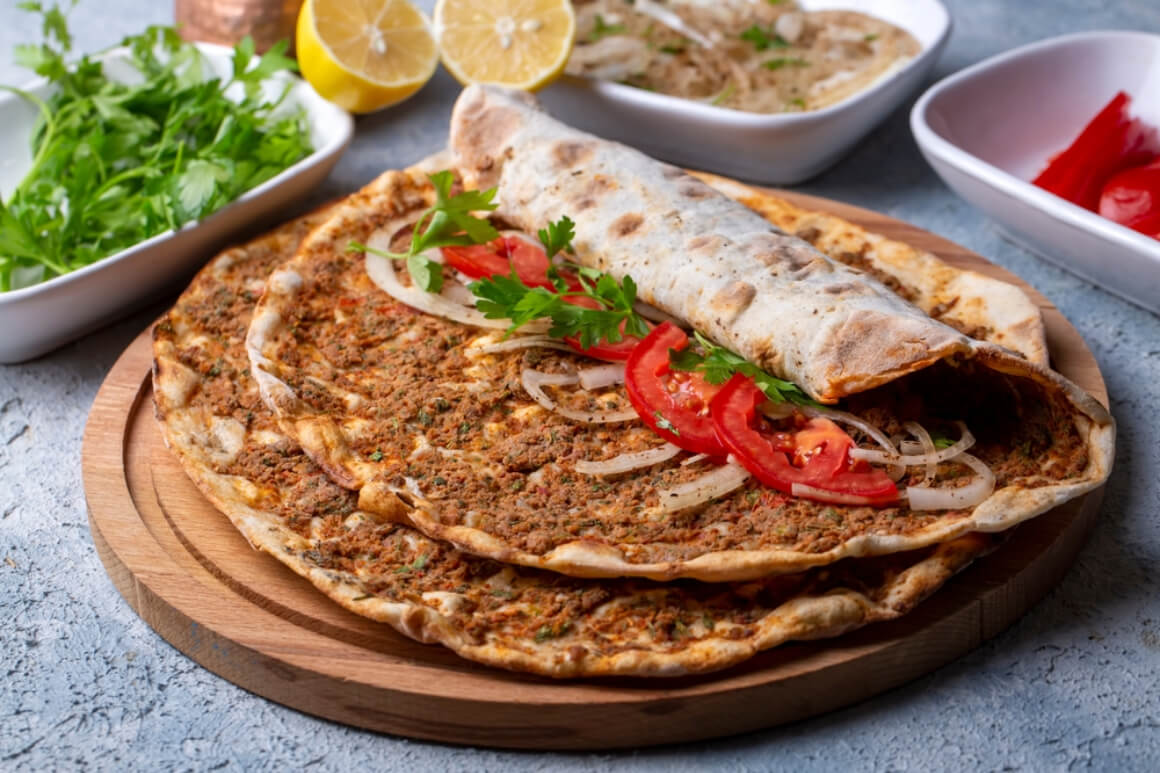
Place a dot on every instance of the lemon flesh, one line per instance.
(364, 55)
(521, 44)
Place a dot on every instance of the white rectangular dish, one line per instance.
(42, 317)
(991, 128)
(777, 149)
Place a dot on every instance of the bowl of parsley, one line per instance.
(123, 172)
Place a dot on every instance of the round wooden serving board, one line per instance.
(241, 614)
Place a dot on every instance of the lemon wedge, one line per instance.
(364, 55)
(522, 44)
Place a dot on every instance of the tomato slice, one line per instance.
(817, 455)
(500, 256)
(1111, 142)
(1132, 198)
(675, 404)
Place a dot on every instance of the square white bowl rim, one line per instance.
(777, 149)
(1067, 214)
(928, 20)
(328, 123)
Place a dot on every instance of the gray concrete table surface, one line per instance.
(1074, 684)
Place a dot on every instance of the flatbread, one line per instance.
(978, 306)
(412, 411)
(212, 417)
(695, 254)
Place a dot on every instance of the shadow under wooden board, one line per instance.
(243, 615)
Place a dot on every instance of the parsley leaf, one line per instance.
(725, 94)
(447, 223)
(558, 236)
(507, 297)
(718, 365)
(426, 273)
(763, 39)
(777, 64)
(603, 29)
(665, 424)
(115, 163)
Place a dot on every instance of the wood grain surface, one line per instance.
(182, 566)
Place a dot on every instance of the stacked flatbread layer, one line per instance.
(392, 459)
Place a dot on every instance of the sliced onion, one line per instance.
(534, 382)
(941, 498)
(671, 20)
(456, 292)
(777, 411)
(914, 459)
(728, 477)
(896, 470)
(523, 237)
(841, 417)
(626, 462)
(525, 342)
(602, 376)
(653, 314)
(694, 460)
(928, 449)
(838, 498)
(382, 272)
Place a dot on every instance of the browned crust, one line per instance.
(322, 437)
(982, 307)
(823, 608)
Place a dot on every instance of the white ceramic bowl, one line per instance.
(991, 128)
(40, 318)
(778, 149)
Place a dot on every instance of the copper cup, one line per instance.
(228, 21)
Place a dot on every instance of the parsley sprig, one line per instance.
(717, 364)
(507, 297)
(602, 29)
(777, 64)
(117, 163)
(763, 39)
(446, 223)
(558, 236)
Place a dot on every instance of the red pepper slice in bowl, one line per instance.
(816, 455)
(1112, 141)
(674, 403)
(1132, 198)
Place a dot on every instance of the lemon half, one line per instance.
(364, 55)
(521, 44)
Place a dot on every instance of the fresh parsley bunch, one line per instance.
(115, 164)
